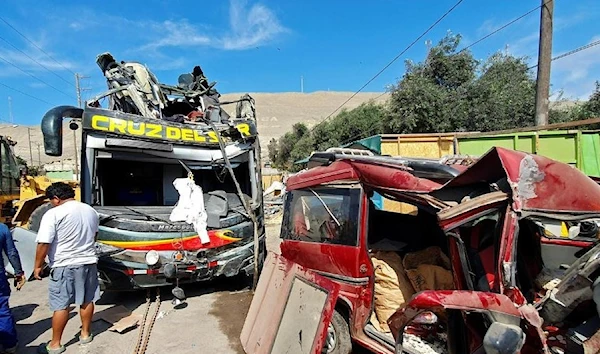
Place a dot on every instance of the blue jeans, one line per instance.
(8, 331)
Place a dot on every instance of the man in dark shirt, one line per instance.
(8, 331)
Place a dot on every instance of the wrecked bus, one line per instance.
(174, 178)
(472, 268)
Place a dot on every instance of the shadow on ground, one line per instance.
(133, 299)
(30, 332)
(227, 310)
(23, 312)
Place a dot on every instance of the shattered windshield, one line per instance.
(327, 215)
(150, 184)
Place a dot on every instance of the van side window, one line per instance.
(324, 215)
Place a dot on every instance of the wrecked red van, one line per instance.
(465, 262)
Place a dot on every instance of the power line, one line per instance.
(360, 136)
(35, 77)
(467, 47)
(571, 52)
(37, 62)
(35, 45)
(393, 61)
(503, 27)
(26, 94)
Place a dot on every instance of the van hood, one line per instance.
(538, 185)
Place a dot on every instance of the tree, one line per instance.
(343, 128)
(347, 126)
(20, 161)
(31, 170)
(502, 97)
(279, 151)
(592, 107)
(451, 91)
(578, 111)
(429, 96)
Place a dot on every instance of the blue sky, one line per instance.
(265, 46)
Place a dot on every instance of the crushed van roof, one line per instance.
(538, 184)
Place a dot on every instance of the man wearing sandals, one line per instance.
(67, 236)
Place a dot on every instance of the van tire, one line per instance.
(341, 330)
(36, 217)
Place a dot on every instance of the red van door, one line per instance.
(321, 230)
(290, 311)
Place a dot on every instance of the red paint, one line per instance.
(130, 272)
(507, 245)
(330, 258)
(565, 242)
(451, 223)
(337, 171)
(583, 195)
(463, 300)
(188, 243)
(562, 190)
(375, 174)
(515, 295)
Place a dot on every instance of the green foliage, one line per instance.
(31, 170)
(347, 126)
(21, 161)
(449, 91)
(34, 170)
(279, 151)
(593, 104)
(578, 111)
(502, 97)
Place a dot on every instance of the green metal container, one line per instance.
(575, 147)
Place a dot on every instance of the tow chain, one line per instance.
(142, 341)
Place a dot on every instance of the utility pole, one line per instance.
(301, 83)
(39, 155)
(10, 115)
(79, 103)
(542, 91)
(30, 151)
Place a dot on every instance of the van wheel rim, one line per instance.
(331, 339)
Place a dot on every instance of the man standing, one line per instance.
(8, 331)
(67, 236)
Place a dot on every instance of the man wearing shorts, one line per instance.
(67, 236)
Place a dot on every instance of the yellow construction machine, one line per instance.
(22, 197)
(32, 202)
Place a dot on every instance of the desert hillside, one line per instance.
(276, 113)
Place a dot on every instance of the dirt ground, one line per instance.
(211, 323)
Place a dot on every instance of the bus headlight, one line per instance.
(152, 257)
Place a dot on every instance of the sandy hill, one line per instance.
(276, 114)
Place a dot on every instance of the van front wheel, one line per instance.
(338, 339)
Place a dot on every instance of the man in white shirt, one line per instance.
(67, 236)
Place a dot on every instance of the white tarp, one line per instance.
(190, 207)
(275, 186)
